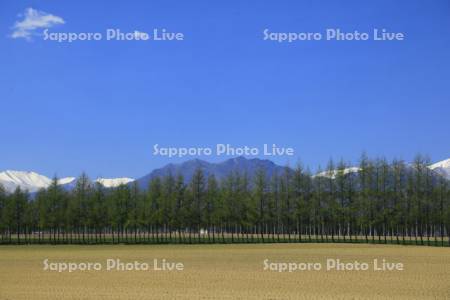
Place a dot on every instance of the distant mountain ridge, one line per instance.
(113, 182)
(32, 181)
(219, 170)
(250, 166)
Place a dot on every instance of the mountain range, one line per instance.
(219, 170)
(32, 181)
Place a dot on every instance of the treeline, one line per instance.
(381, 203)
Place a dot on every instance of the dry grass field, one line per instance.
(225, 272)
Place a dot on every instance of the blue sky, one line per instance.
(100, 106)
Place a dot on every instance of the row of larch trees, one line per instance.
(379, 202)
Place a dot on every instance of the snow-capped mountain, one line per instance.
(113, 182)
(66, 180)
(30, 181)
(442, 168)
(334, 173)
(33, 182)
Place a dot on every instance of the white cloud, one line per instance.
(34, 19)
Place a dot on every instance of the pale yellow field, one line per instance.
(225, 272)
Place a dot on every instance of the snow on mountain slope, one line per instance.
(442, 168)
(33, 182)
(113, 182)
(30, 181)
(334, 173)
(66, 180)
